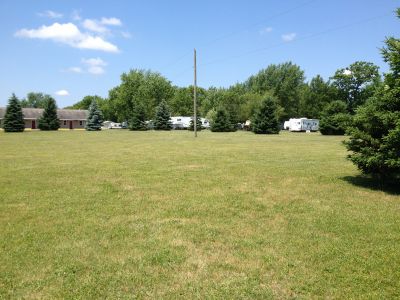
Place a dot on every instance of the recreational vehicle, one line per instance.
(302, 124)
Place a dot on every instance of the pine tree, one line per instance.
(265, 120)
(14, 118)
(49, 119)
(198, 124)
(221, 122)
(162, 120)
(138, 117)
(375, 133)
(95, 117)
(335, 119)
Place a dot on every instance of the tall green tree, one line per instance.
(14, 118)
(35, 100)
(356, 83)
(138, 118)
(181, 103)
(265, 120)
(285, 81)
(95, 117)
(139, 86)
(335, 119)
(162, 120)
(104, 105)
(315, 97)
(374, 143)
(221, 122)
(49, 119)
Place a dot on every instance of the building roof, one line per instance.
(63, 114)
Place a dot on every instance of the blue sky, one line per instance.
(70, 49)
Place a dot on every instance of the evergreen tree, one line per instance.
(198, 124)
(221, 122)
(95, 117)
(137, 120)
(375, 133)
(49, 119)
(162, 120)
(265, 120)
(14, 118)
(335, 119)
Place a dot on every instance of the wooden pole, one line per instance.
(195, 97)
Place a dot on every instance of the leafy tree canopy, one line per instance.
(356, 83)
(35, 100)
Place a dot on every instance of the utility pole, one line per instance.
(195, 97)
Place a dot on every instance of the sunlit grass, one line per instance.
(124, 214)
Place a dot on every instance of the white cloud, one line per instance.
(95, 70)
(289, 37)
(94, 26)
(59, 32)
(111, 21)
(95, 65)
(266, 30)
(68, 33)
(94, 61)
(62, 93)
(75, 70)
(96, 43)
(51, 14)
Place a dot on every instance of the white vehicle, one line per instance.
(111, 125)
(302, 124)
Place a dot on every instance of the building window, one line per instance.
(80, 123)
(65, 123)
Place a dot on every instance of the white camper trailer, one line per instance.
(180, 122)
(303, 124)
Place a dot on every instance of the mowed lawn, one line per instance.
(122, 214)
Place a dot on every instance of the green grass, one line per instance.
(120, 214)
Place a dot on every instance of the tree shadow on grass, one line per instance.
(391, 188)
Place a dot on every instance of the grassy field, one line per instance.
(120, 214)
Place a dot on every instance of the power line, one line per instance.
(238, 31)
(306, 37)
(260, 22)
